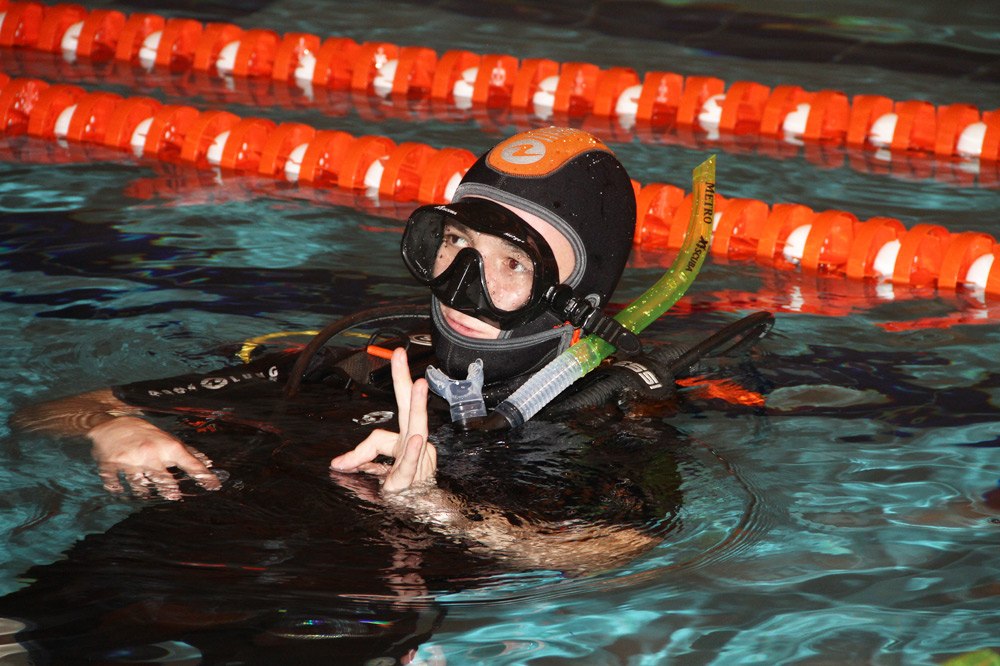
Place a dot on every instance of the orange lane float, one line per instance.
(784, 235)
(747, 122)
(544, 88)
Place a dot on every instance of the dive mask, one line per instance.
(482, 259)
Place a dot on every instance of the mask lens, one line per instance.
(506, 270)
(479, 258)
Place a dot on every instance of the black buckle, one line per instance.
(582, 314)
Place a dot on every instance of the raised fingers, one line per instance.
(404, 472)
(418, 409)
(402, 385)
(379, 442)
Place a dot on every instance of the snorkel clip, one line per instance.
(584, 315)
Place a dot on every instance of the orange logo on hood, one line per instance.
(541, 151)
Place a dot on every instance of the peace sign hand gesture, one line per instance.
(415, 458)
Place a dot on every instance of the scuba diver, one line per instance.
(524, 259)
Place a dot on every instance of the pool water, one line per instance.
(855, 518)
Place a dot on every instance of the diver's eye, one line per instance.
(454, 237)
(515, 265)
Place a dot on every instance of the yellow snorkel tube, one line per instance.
(588, 353)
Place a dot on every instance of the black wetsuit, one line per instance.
(286, 563)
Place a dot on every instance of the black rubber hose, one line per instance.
(669, 362)
(728, 340)
(370, 316)
(612, 380)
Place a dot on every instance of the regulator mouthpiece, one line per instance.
(464, 396)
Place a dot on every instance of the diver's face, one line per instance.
(508, 269)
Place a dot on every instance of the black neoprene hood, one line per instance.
(573, 182)
(580, 188)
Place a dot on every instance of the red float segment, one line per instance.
(448, 70)
(697, 90)
(125, 118)
(739, 228)
(415, 71)
(962, 249)
(825, 121)
(494, 85)
(21, 24)
(636, 187)
(245, 144)
(368, 61)
(168, 131)
(951, 120)
(17, 99)
(335, 63)
(280, 143)
(656, 204)
(660, 97)
(921, 250)
(828, 245)
(178, 42)
(916, 126)
(993, 281)
(90, 120)
(99, 34)
(359, 157)
(323, 157)
(439, 172)
(135, 31)
(202, 132)
(289, 53)
(529, 77)
(404, 169)
(55, 22)
(865, 110)
(870, 237)
(51, 102)
(782, 101)
(743, 107)
(256, 53)
(611, 84)
(213, 39)
(4, 80)
(991, 140)
(784, 218)
(829, 114)
(576, 90)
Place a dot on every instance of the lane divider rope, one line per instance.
(784, 235)
(549, 89)
(268, 93)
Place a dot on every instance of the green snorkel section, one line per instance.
(588, 353)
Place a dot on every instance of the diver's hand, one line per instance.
(142, 453)
(415, 458)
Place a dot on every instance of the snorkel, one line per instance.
(588, 353)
